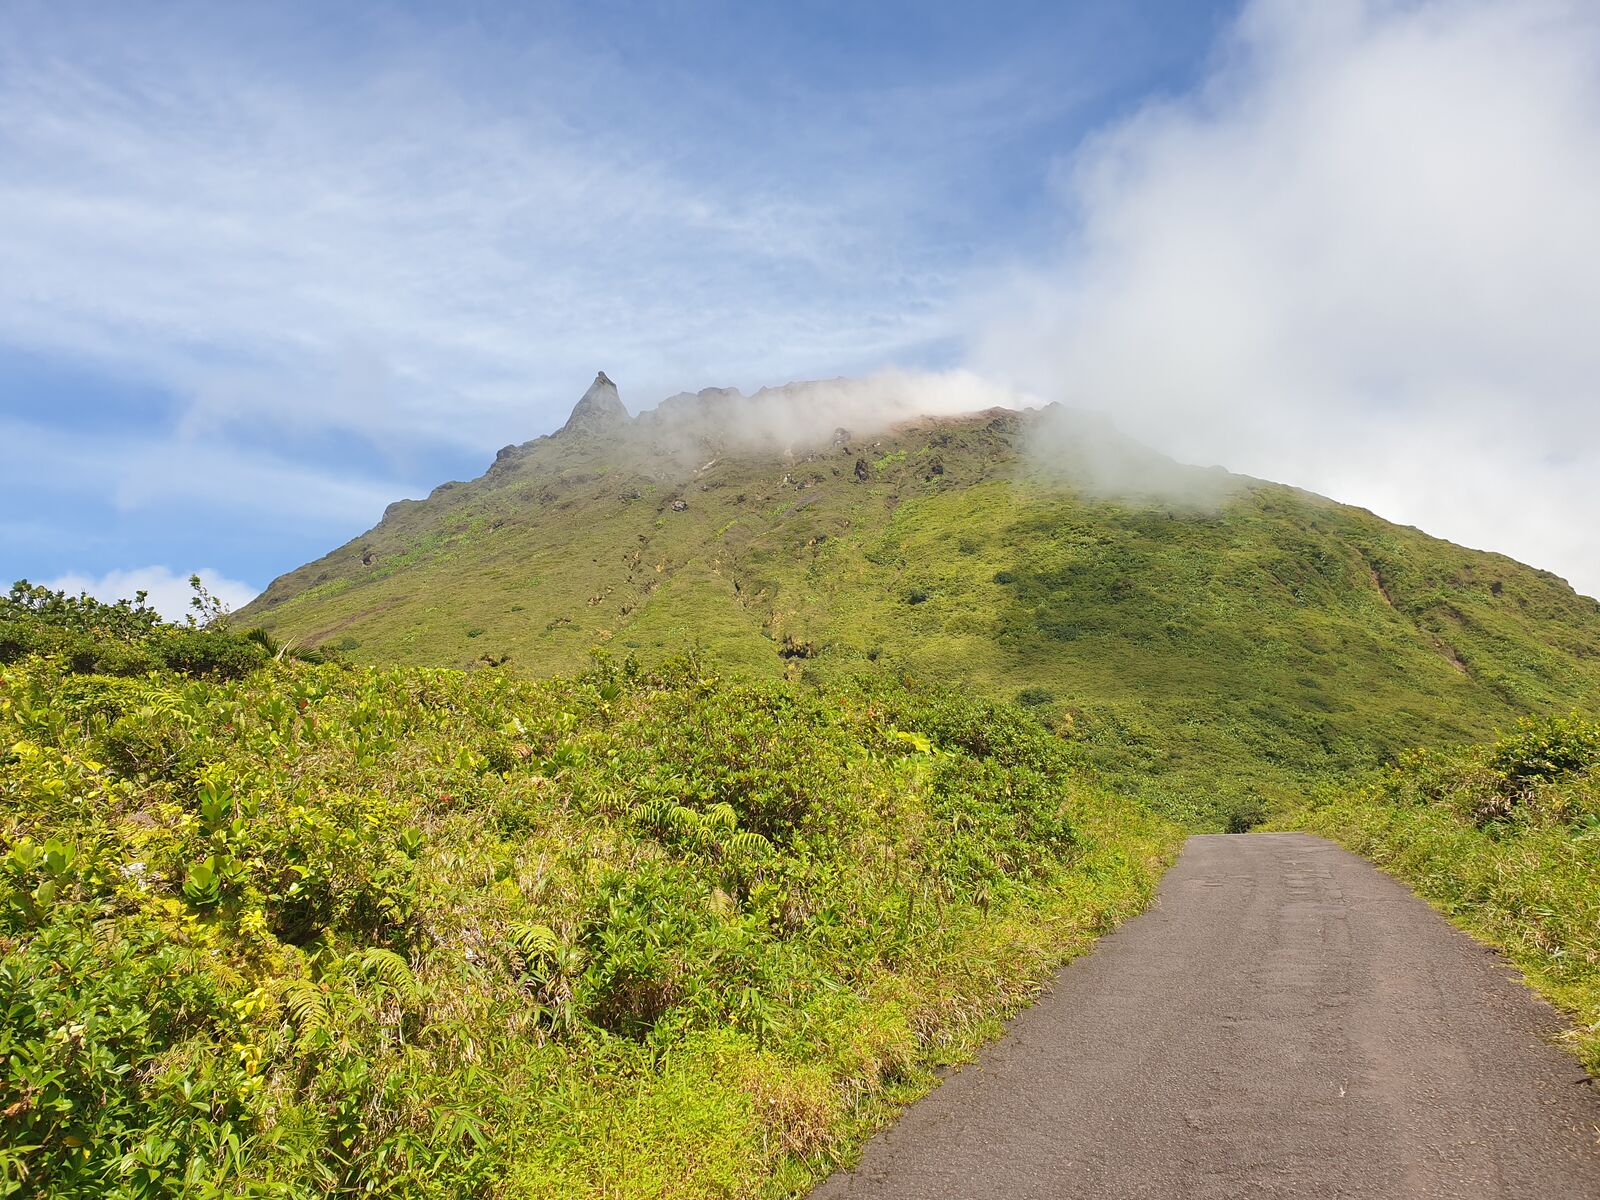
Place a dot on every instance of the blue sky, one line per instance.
(264, 269)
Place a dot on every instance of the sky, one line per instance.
(265, 269)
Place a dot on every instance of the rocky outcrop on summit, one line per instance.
(599, 410)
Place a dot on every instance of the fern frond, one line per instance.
(532, 944)
(309, 1012)
(392, 971)
(749, 844)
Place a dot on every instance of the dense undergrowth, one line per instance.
(1503, 837)
(308, 929)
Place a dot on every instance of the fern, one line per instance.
(309, 1012)
(391, 971)
(749, 844)
(533, 947)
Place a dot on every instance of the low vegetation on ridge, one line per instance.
(313, 929)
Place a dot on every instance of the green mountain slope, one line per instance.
(1196, 628)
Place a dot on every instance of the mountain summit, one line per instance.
(601, 408)
(1186, 624)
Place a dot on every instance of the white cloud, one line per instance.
(806, 413)
(401, 253)
(169, 591)
(1363, 258)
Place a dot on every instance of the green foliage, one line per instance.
(1504, 837)
(1245, 813)
(316, 930)
(125, 621)
(108, 1060)
(1546, 750)
(125, 638)
(1233, 639)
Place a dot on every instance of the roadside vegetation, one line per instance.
(1504, 838)
(273, 924)
(281, 928)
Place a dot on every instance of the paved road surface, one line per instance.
(1287, 1021)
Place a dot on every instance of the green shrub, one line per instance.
(1244, 813)
(1546, 748)
(126, 638)
(214, 653)
(312, 929)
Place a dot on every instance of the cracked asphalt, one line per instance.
(1285, 1021)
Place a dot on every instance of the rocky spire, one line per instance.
(600, 409)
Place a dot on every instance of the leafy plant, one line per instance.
(318, 929)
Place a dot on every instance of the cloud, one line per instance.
(414, 251)
(169, 591)
(1361, 257)
(805, 414)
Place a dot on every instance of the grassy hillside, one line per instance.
(322, 930)
(1503, 837)
(1217, 633)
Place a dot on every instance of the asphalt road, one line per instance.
(1286, 1021)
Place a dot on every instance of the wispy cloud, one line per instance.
(398, 255)
(1362, 257)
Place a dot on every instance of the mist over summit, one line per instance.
(793, 416)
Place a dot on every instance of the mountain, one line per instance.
(1196, 629)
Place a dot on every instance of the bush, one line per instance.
(313, 930)
(213, 653)
(1245, 813)
(126, 638)
(108, 1053)
(1546, 748)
